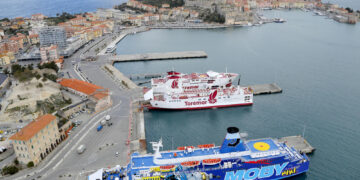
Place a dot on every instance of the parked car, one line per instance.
(81, 149)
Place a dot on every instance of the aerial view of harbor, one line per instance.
(179, 90)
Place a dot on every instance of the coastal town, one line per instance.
(58, 83)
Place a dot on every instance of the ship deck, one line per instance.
(260, 148)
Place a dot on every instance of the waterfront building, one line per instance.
(49, 53)
(6, 58)
(36, 140)
(53, 35)
(3, 47)
(34, 39)
(79, 20)
(37, 17)
(99, 97)
(4, 80)
(12, 46)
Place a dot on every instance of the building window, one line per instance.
(30, 140)
(23, 142)
(32, 146)
(21, 148)
(17, 148)
(15, 141)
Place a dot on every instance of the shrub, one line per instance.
(30, 164)
(10, 170)
(16, 161)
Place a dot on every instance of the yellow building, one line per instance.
(6, 58)
(36, 140)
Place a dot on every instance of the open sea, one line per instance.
(315, 60)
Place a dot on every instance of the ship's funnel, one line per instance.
(232, 141)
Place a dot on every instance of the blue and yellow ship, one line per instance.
(235, 159)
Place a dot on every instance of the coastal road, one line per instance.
(101, 146)
(64, 160)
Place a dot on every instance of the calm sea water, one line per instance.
(354, 4)
(24, 8)
(315, 60)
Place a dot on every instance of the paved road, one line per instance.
(64, 162)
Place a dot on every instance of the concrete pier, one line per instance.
(158, 56)
(119, 77)
(266, 88)
(299, 143)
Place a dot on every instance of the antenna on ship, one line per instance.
(239, 79)
(226, 69)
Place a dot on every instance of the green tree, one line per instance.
(349, 10)
(6, 70)
(30, 164)
(15, 68)
(51, 65)
(16, 161)
(10, 170)
(30, 67)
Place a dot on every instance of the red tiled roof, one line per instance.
(33, 128)
(83, 87)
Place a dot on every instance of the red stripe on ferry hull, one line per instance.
(196, 108)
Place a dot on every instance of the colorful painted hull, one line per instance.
(235, 159)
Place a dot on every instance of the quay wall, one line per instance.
(158, 56)
(137, 138)
(122, 35)
(120, 77)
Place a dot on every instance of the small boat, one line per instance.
(110, 49)
(206, 146)
(318, 13)
(190, 163)
(279, 20)
(211, 161)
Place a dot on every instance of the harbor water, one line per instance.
(313, 59)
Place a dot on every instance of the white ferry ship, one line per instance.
(177, 82)
(201, 98)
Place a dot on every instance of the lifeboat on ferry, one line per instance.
(185, 147)
(211, 161)
(167, 168)
(206, 146)
(190, 163)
